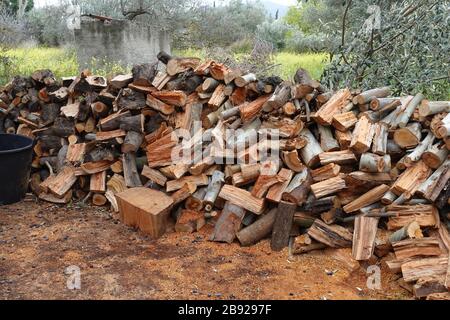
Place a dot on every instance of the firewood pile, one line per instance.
(344, 169)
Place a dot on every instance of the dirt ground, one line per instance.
(38, 241)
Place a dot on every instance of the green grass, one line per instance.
(62, 62)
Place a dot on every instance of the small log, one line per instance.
(228, 223)
(112, 122)
(183, 193)
(411, 231)
(242, 81)
(409, 136)
(282, 225)
(362, 136)
(402, 215)
(292, 161)
(428, 108)
(416, 247)
(344, 139)
(388, 198)
(133, 123)
(427, 267)
(344, 121)
(62, 183)
(328, 187)
(275, 192)
(372, 163)
(212, 192)
(435, 156)
(433, 186)
(404, 117)
(250, 111)
(364, 236)
(326, 172)
(327, 141)
(410, 180)
(331, 235)
(130, 171)
(299, 188)
(367, 199)
(133, 141)
(98, 182)
(338, 101)
(367, 96)
(76, 152)
(380, 139)
(242, 198)
(158, 105)
(257, 230)
(310, 153)
(428, 286)
(337, 157)
(377, 104)
(154, 175)
(218, 97)
(201, 180)
(109, 135)
(443, 130)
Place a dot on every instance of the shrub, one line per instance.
(274, 32)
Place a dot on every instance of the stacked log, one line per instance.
(347, 163)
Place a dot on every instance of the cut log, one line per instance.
(158, 105)
(282, 225)
(411, 231)
(409, 136)
(112, 122)
(62, 183)
(279, 98)
(76, 152)
(275, 192)
(403, 118)
(179, 65)
(249, 111)
(428, 267)
(337, 157)
(402, 215)
(146, 209)
(344, 121)
(298, 189)
(310, 153)
(292, 161)
(367, 96)
(433, 186)
(428, 108)
(372, 163)
(344, 139)
(327, 141)
(326, 172)
(183, 193)
(98, 182)
(132, 142)
(328, 187)
(242, 198)
(362, 136)
(380, 139)
(410, 180)
(133, 123)
(416, 247)
(218, 97)
(242, 81)
(364, 236)
(331, 235)
(435, 156)
(228, 223)
(367, 199)
(427, 286)
(130, 171)
(109, 135)
(258, 230)
(337, 102)
(212, 192)
(154, 175)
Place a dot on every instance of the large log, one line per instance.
(282, 225)
(228, 223)
(258, 230)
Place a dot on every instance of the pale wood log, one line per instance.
(364, 236)
(146, 209)
(402, 215)
(362, 136)
(337, 157)
(76, 152)
(433, 186)
(183, 193)
(367, 96)
(88, 168)
(377, 104)
(279, 98)
(435, 156)
(275, 192)
(344, 121)
(98, 182)
(242, 198)
(410, 180)
(326, 172)
(310, 153)
(242, 81)
(344, 139)
(212, 192)
(428, 108)
(443, 129)
(380, 139)
(427, 267)
(337, 102)
(116, 184)
(411, 248)
(388, 198)
(61, 183)
(331, 235)
(154, 175)
(411, 231)
(328, 187)
(371, 163)
(403, 118)
(173, 185)
(409, 136)
(282, 225)
(367, 199)
(228, 223)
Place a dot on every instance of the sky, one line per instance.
(40, 3)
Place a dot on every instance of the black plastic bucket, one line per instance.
(15, 164)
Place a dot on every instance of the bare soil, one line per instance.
(38, 241)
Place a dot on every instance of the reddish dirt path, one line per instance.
(38, 241)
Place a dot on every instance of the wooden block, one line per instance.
(228, 223)
(425, 215)
(331, 235)
(410, 248)
(76, 152)
(325, 114)
(326, 172)
(427, 267)
(282, 225)
(146, 209)
(364, 236)
(62, 183)
(98, 182)
(328, 187)
(154, 175)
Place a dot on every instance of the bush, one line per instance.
(242, 46)
(297, 41)
(274, 32)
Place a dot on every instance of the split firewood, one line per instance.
(228, 223)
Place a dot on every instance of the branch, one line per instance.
(344, 20)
